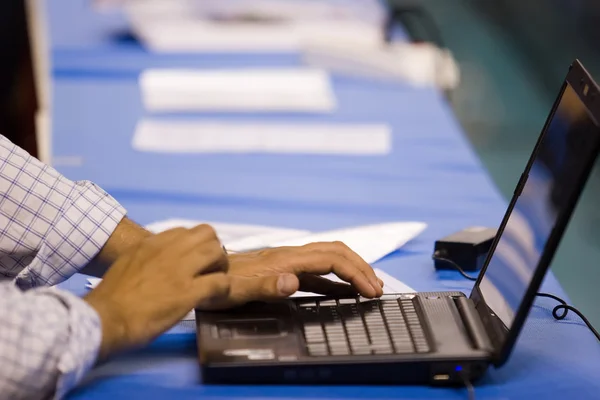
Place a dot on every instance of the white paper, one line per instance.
(418, 64)
(237, 90)
(257, 26)
(251, 137)
(167, 36)
(371, 242)
(391, 285)
(235, 237)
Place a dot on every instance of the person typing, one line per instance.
(51, 228)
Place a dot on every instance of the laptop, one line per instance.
(423, 338)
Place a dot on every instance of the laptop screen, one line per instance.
(551, 181)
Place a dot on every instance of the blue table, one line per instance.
(432, 175)
(552, 359)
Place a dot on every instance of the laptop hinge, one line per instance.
(492, 325)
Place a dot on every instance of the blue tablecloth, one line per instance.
(432, 175)
(552, 360)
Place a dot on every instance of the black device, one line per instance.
(467, 248)
(423, 338)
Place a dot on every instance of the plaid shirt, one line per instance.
(50, 228)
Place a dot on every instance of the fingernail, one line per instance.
(286, 285)
(376, 289)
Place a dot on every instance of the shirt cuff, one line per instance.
(75, 239)
(82, 341)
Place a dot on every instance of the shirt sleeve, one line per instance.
(48, 340)
(50, 227)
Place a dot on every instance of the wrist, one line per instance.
(113, 327)
(127, 235)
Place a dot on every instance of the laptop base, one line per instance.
(423, 338)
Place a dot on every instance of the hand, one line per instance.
(298, 268)
(153, 285)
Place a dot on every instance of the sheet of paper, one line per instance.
(237, 90)
(250, 137)
(391, 285)
(167, 36)
(236, 237)
(257, 26)
(371, 242)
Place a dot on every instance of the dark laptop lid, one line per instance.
(539, 211)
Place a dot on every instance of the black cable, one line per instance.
(470, 388)
(563, 307)
(555, 310)
(437, 256)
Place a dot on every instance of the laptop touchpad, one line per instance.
(258, 328)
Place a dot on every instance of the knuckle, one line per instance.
(214, 251)
(170, 233)
(340, 245)
(207, 231)
(313, 246)
(222, 283)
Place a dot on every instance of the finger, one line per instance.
(195, 237)
(206, 231)
(208, 290)
(381, 283)
(320, 285)
(209, 235)
(359, 263)
(205, 258)
(262, 288)
(319, 262)
(197, 248)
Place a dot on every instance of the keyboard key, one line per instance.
(314, 334)
(382, 349)
(339, 349)
(317, 349)
(328, 303)
(361, 351)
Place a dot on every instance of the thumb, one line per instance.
(273, 287)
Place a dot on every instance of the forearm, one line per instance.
(51, 227)
(48, 341)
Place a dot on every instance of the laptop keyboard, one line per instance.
(351, 327)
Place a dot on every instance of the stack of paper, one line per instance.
(252, 26)
(202, 136)
(239, 90)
